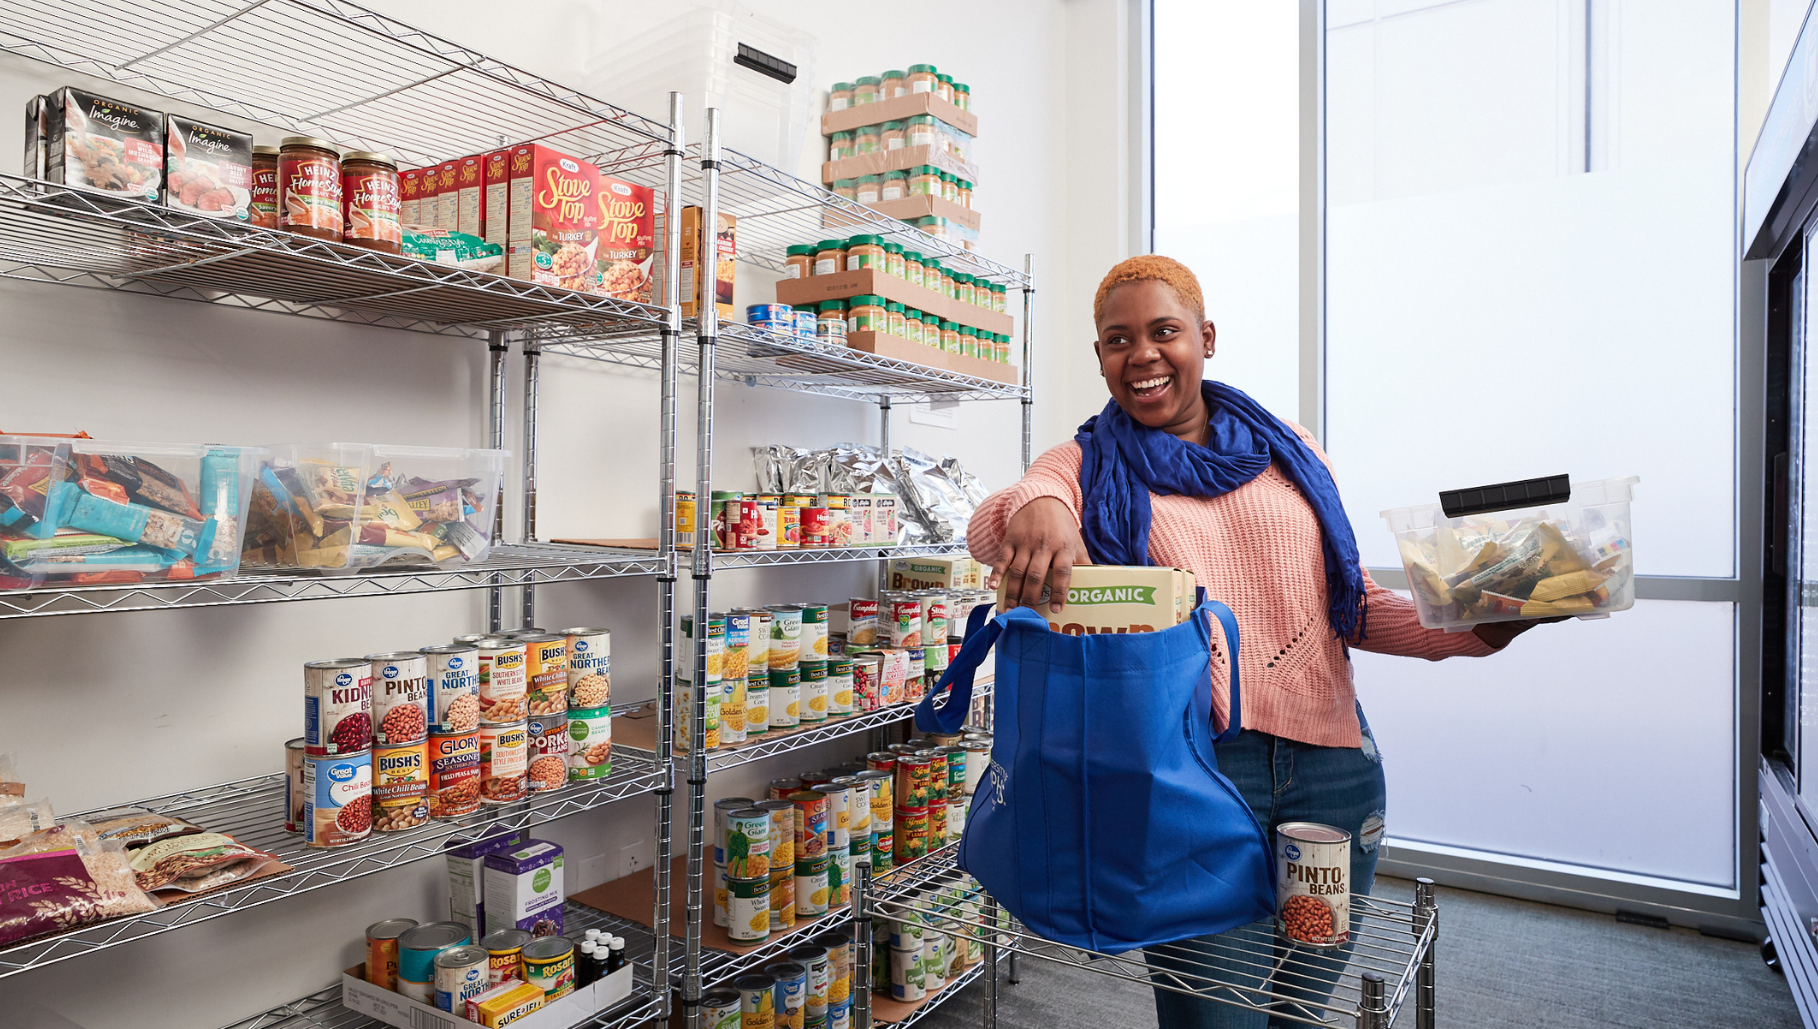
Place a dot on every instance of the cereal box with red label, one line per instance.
(555, 219)
(627, 246)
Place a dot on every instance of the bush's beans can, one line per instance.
(791, 992)
(782, 897)
(785, 698)
(861, 622)
(747, 843)
(757, 1001)
(813, 642)
(452, 687)
(293, 785)
(736, 662)
(382, 951)
(460, 974)
(748, 909)
(720, 1008)
(504, 954)
(589, 743)
(1313, 883)
(337, 799)
(504, 761)
(337, 706)
(400, 786)
(782, 832)
(785, 637)
(757, 705)
(812, 699)
(900, 616)
(549, 966)
(502, 680)
(732, 710)
(838, 834)
(546, 765)
(400, 699)
(545, 673)
(839, 686)
(454, 774)
(810, 824)
(867, 682)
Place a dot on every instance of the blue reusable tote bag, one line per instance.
(1102, 821)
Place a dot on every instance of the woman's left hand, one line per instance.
(1498, 634)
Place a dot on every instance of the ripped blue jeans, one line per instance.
(1282, 781)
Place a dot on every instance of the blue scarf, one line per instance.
(1124, 461)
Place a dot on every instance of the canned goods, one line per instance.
(719, 893)
(546, 753)
(684, 722)
(545, 673)
(337, 706)
(720, 1008)
(732, 711)
(907, 982)
(454, 774)
(812, 698)
(400, 786)
(839, 686)
(785, 636)
(293, 785)
(400, 697)
(417, 950)
(901, 618)
(749, 525)
(589, 654)
(861, 622)
(791, 993)
(811, 888)
(451, 687)
(785, 698)
(736, 662)
(782, 897)
(337, 799)
(782, 831)
(589, 743)
(836, 645)
(934, 622)
(715, 649)
(956, 816)
(549, 966)
(880, 790)
(810, 825)
(1313, 883)
(460, 974)
(816, 527)
(722, 808)
(723, 514)
(471, 639)
(978, 755)
(914, 782)
(684, 516)
(934, 961)
(839, 966)
(838, 831)
(937, 824)
(858, 806)
(813, 643)
(747, 843)
(780, 789)
(955, 758)
(911, 832)
(839, 877)
(757, 705)
(757, 642)
(881, 761)
(757, 1001)
(813, 779)
(813, 957)
(748, 909)
(505, 954)
(867, 682)
(502, 680)
(918, 668)
(382, 951)
(788, 526)
(883, 850)
(937, 772)
(504, 760)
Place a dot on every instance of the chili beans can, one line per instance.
(400, 698)
(504, 761)
(502, 680)
(293, 785)
(839, 686)
(460, 973)
(337, 706)
(337, 799)
(547, 755)
(785, 698)
(400, 786)
(452, 687)
(901, 618)
(813, 696)
(861, 622)
(757, 705)
(810, 824)
(747, 843)
(720, 1008)
(505, 954)
(757, 1001)
(545, 673)
(782, 897)
(417, 950)
(454, 774)
(589, 743)
(1313, 883)
(748, 909)
(782, 832)
(549, 966)
(382, 951)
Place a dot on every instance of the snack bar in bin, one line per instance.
(1538, 548)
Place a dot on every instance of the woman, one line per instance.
(1180, 472)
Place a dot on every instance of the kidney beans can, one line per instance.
(502, 680)
(400, 786)
(293, 785)
(504, 761)
(454, 774)
(747, 524)
(901, 617)
(452, 687)
(337, 706)
(748, 909)
(400, 697)
(589, 743)
(382, 951)
(549, 966)
(545, 673)
(547, 754)
(337, 799)
(461, 972)
(1313, 883)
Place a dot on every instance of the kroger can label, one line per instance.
(589, 653)
(460, 974)
(732, 711)
(400, 786)
(451, 687)
(504, 760)
(454, 774)
(1313, 883)
(589, 743)
(757, 1001)
(337, 799)
(547, 753)
(400, 698)
(337, 707)
(502, 682)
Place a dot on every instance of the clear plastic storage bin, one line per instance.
(350, 506)
(85, 512)
(1542, 558)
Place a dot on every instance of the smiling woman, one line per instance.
(1183, 472)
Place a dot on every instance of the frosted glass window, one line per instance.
(1530, 258)
(1607, 744)
(1227, 175)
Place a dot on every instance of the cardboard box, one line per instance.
(899, 108)
(910, 208)
(554, 218)
(207, 170)
(495, 206)
(839, 286)
(626, 251)
(398, 1010)
(429, 198)
(898, 348)
(935, 573)
(466, 871)
(900, 159)
(410, 195)
(102, 144)
(523, 889)
(695, 270)
(448, 196)
(1118, 598)
(470, 181)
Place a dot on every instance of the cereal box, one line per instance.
(448, 196)
(495, 209)
(699, 277)
(1118, 598)
(410, 193)
(554, 218)
(627, 242)
(470, 181)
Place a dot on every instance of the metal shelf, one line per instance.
(252, 811)
(948, 992)
(1302, 984)
(756, 357)
(508, 565)
(724, 559)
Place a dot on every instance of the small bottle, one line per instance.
(586, 965)
(615, 956)
(593, 936)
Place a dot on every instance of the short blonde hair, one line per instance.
(1151, 268)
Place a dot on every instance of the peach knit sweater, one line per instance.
(1257, 548)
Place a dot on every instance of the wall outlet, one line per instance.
(635, 857)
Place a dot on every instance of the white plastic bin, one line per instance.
(1570, 557)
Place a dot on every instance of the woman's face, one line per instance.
(1152, 351)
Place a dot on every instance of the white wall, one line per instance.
(101, 709)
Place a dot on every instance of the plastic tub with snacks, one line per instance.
(1539, 548)
(354, 506)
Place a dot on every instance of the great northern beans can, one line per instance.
(1313, 883)
(452, 687)
(589, 655)
(460, 974)
(589, 743)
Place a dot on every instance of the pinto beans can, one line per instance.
(400, 698)
(337, 706)
(504, 762)
(452, 687)
(502, 680)
(337, 799)
(454, 774)
(1313, 883)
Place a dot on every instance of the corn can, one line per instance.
(757, 642)
(757, 1001)
(785, 698)
(748, 909)
(757, 705)
(732, 711)
(813, 957)
(736, 663)
(747, 843)
(785, 636)
(814, 632)
(812, 698)
(811, 897)
(782, 831)
(839, 686)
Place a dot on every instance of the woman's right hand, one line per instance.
(1041, 545)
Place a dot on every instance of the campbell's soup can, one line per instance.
(400, 786)
(547, 753)
(400, 697)
(452, 687)
(502, 680)
(934, 629)
(901, 617)
(504, 761)
(337, 799)
(1313, 883)
(454, 774)
(545, 673)
(861, 622)
(337, 706)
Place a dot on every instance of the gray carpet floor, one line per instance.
(1503, 964)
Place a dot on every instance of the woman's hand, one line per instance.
(1498, 634)
(1041, 545)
